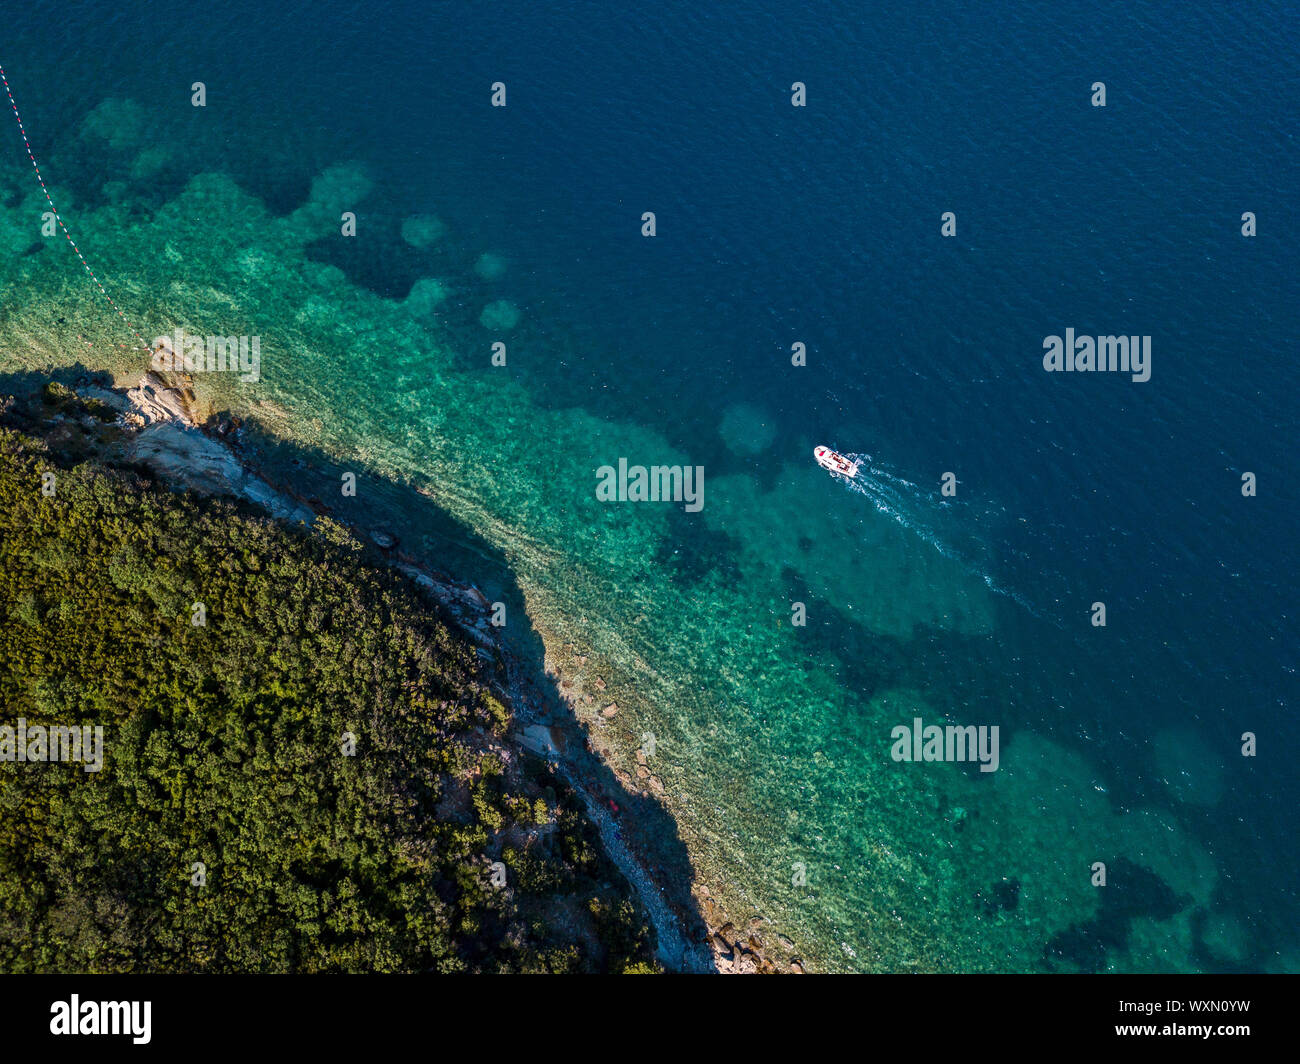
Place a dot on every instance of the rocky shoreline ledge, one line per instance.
(162, 432)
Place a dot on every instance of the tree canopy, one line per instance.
(231, 827)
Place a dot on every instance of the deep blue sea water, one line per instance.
(821, 224)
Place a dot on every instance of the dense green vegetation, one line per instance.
(224, 745)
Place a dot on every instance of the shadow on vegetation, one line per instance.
(429, 537)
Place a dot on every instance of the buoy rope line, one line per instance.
(59, 218)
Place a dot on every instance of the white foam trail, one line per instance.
(900, 500)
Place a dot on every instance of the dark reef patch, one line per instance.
(1002, 896)
(691, 551)
(1131, 891)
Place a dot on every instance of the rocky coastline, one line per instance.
(161, 430)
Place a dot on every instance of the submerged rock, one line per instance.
(342, 185)
(426, 296)
(151, 162)
(1226, 938)
(117, 122)
(1002, 896)
(500, 316)
(490, 266)
(422, 230)
(746, 430)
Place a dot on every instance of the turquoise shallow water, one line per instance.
(772, 740)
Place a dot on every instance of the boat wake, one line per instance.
(905, 502)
